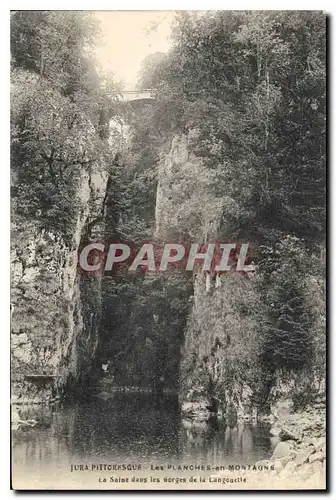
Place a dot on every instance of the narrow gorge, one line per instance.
(223, 146)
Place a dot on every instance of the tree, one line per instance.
(56, 124)
(152, 71)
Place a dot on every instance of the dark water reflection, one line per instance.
(131, 428)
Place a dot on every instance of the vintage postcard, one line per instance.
(168, 256)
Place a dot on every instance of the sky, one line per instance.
(128, 37)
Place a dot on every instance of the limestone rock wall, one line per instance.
(185, 209)
(220, 345)
(54, 309)
(221, 336)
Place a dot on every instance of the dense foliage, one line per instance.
(251, 87)
(57, 114)
(248, 89)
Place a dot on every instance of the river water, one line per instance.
(128, 429)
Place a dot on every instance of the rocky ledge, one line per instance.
(294, 465)
(299, 455)
(200, 410)
(26, 417)
(300, 446)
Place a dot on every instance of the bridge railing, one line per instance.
(136, 95)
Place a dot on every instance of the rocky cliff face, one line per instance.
(220, 345)
(222, 340)
(185, 209)
(221, 336)
(55, 311)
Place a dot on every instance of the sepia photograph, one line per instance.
(168, 175)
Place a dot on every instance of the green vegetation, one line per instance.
(246, 91)
(58, 103)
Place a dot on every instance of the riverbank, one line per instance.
(298, 460)
(300, 451)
